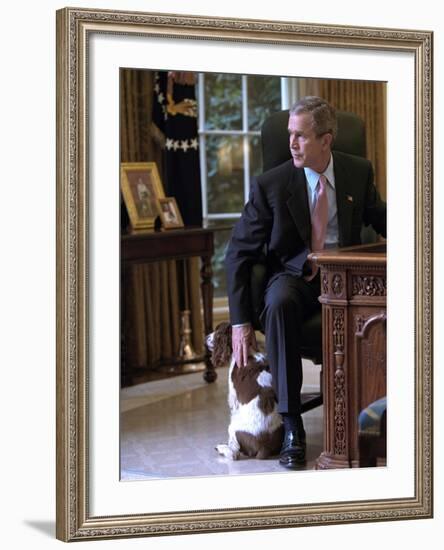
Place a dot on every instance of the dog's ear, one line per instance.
(222, 347)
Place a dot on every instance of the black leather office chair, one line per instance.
(275, 150)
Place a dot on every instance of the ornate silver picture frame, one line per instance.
(76, 517)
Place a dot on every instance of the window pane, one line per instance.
(223, 102)
(225, 174)
(264, 98)
(221, 238)
(255, 149)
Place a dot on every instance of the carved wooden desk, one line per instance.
(353, 297)
(178, 244)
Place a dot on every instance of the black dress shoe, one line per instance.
(293, 450)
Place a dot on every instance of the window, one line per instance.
(232, 109)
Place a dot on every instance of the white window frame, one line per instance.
(289, 94)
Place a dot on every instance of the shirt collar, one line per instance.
(313, 177)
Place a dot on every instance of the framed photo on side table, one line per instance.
(92, 47)
(169, 213)
(141, 188)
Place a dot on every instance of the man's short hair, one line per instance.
(324, 115)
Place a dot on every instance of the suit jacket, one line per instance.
(276, 222)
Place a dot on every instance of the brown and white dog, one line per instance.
(256, 428)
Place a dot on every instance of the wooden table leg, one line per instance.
(206, 274)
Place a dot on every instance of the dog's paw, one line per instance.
(227, 452)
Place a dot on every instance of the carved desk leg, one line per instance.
(206, 274)
(336, 444)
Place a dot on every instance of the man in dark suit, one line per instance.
(318, 199)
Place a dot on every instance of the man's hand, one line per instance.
(243, 337)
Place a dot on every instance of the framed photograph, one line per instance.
(141, 188)
(169, 213)
(92, 499)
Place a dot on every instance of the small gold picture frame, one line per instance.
(169, 213)
(141, 188)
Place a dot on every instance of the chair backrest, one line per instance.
(275, 146)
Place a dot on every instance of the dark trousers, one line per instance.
(289, 301)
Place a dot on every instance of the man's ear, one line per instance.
(327, 140)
